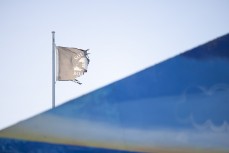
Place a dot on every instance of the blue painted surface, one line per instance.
(20, 146)
(179, 105)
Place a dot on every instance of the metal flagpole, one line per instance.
(53, 69)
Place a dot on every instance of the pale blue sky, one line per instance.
(124, 36)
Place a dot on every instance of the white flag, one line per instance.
(72, 63)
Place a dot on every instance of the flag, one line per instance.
(72, 63)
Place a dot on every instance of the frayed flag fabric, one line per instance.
(71, 64)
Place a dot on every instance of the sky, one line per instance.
(124, 37)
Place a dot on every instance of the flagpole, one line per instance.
(53, 69)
